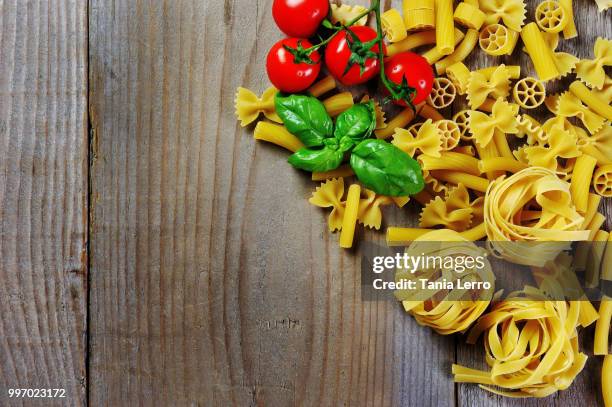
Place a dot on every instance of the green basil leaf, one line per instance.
(346, 143)
(358, 122)
(305, 117)
(385, 169)
(326, 159)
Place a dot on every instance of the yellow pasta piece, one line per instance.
(476, 233)
(501, 144)
(531, 346)
(561, 143)
(329, 195)
(323, 86)
(413, 41)
(462, 118)
(591, 276)
(511, 12)
(606, 264)
(503, 118)
(401, 120)
(529, 93)
(470, 181)
(402, 236)
(428, 112)
(569, 31)
(605, 92)
(445, 41)
(583, 249)
(369, 213)
(459, 74)
(606, 368)
(570, 106)
(539, 52)
(602, 328)
(496, 40)
(442, 94)
(450, 133)
(581, 181)
(480, 88)
(500, 164)
(513, 70)
(551, 16)
(342, 171)
(344, 14)
(589, 98)
(558, 221)
(349, 221)
(453, 212)
(530, 127)
(598, 146)
(393, 25)
(592, 206)
(419, 14)
(461, 52)
(338, 103)
(434, 54)
(446, 311)
(467, 150)
(428, 140)
(249, 106)
(602, 181)
(601, 6)
(469, 16)
(277, 134)
(450, 160)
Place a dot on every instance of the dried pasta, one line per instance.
(569, 105)
(249, 106)
(338, 103)
(505, 164)
(469, 16)
(569, 31)
(462, 120)
(429, 140)
(602, 181)
(450, 160)
(277, 134)
(442, 94)
(531, 346)
(329, 195)
(591, 99)
(459, 75)
(511, 12)
(558, 220)
(539, 52)
(453, 212)
(419, 14)
(349, 220)
(551, 16)
(451, 311)
(445, 41)
(343, 171)
(602, 328)
(529, 93)
(381, 119)
(454, 177)
(323, 86)
(434, 54)
(480, 88)
(461, 52)
(502, 118)
(344, 14)
(393, 25)
(369, 213)
(561, 143)
(530, 127)
(450, 133)
(495, 40)
(413, 41)
(401, 120)
(591, 71)
(598, 146)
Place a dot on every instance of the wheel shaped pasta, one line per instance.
(450, 133)
(445, 311)
(511, 12)
(602, 181)
(551, 16)
(529, 93)
(495, 39)
(442, 94)
(462, 119)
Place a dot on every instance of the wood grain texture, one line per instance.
(43, 198)
(213, 281)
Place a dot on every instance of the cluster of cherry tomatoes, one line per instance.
(353, 58)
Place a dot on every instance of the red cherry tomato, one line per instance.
(338, 54)
(299, 18)
(285, 73)
(415, 69)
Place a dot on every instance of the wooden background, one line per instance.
(151, 253)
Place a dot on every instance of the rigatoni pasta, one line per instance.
(540, 53)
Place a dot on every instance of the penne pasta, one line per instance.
(277, 134)
(540, 52)
(338, 103)
(413, 41)
(403, 236)
(569, 31)
(342, 171)
(401, 120)
(602, 327)
(505, 164)
(428, 112)
(461, 52)
(581, 181)
(445, 41)
(349, 221)
(469, 180)
(434, 54)
(593, 265)
(323, 86)
(514, 71)
(450, 161)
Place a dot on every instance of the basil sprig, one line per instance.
(379, 165)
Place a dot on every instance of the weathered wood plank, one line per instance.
(43, 198)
